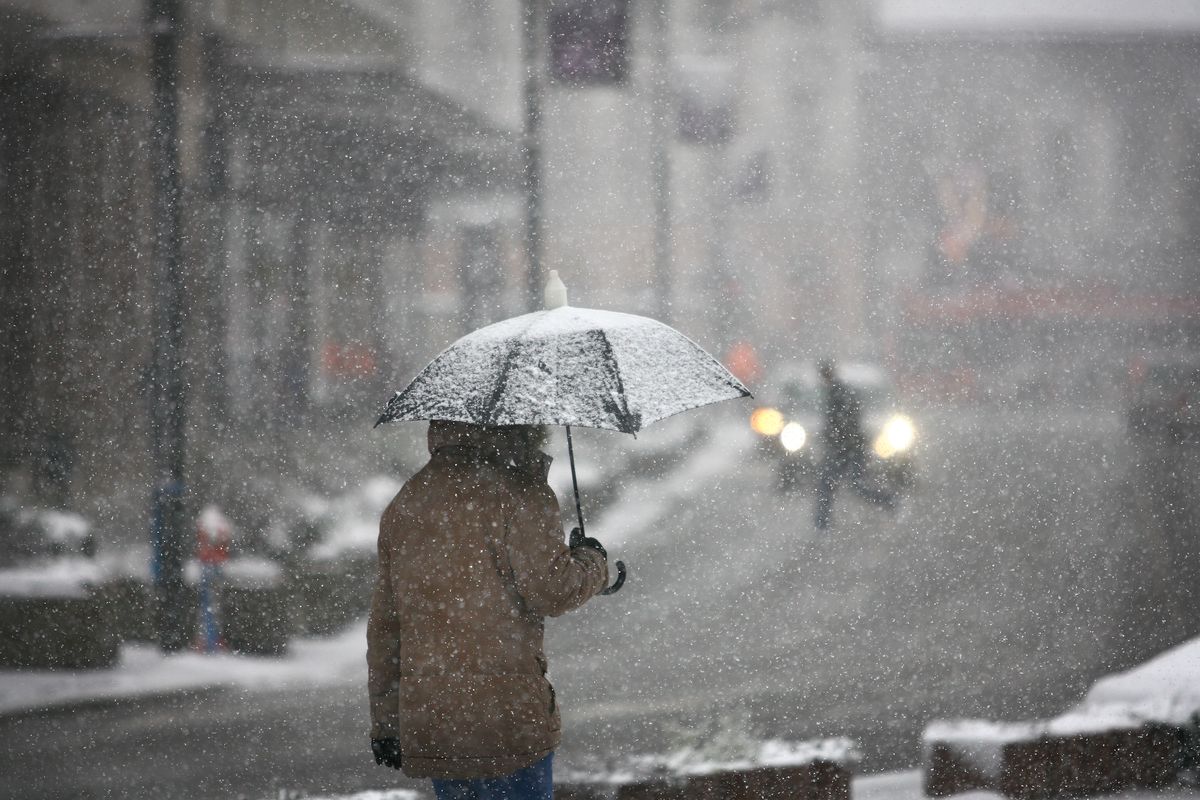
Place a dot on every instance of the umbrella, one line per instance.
(567, 366)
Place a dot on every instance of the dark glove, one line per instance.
(579, 540)
(387, 752)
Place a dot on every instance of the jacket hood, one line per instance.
(449, 433)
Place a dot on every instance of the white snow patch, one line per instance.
(69, 577)
(130, 562)
(909, 785)
(1038, 17)
(587, 472)
(906, 785)
(979, 743)
(645, 502)
(771, 753)
(370, 794)
(349, 536)
(350, 522)
(145, 670)
(1164, 690)
(895, 786)
(65, 527)
(378, 491)
(691, 761)
(243, 572)
(212, 519)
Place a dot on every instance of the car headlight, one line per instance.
(766, 421)
(898, 435)
(793, 436)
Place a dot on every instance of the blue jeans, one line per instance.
(535, 782)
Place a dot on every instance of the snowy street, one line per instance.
(1002, 590)
(863, 335)
(1012, 579)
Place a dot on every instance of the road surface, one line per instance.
(1027, 563)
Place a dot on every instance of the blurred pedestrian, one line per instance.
(845, 456)
(471, 561)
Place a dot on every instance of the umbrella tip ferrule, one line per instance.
(556, 291)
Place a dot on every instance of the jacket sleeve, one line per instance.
(383, 646)
(551, 578)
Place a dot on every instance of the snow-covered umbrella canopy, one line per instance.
(567, 366)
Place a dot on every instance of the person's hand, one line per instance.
(387, 752)
(579, 540)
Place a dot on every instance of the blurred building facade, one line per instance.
(311, 157)
(855, 178)
(1034, 192)
(858, 178)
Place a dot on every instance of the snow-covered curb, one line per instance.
(1133, 711)
(771, 753)
(72, 577)
(144, 671)
(908, 786)
(691, 762)
(886, 786)
(1164, 690)
(370, 794)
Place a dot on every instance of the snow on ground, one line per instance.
(644, 502)
(907, 786)
(64, 527)
(145, 670)
(374, 794)
(243, 572)
(887, 786)
(771, 753)
(351, 524)
(1165, 690)
(734, 753)
(70, 576)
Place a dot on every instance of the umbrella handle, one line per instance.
(619, 582)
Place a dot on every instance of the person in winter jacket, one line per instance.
(845, 455)
(471, 561)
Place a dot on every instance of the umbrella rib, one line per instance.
(502, 379)
(393, 408)
(628, 423)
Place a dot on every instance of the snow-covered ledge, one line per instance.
(809, 770)
(1123, 733)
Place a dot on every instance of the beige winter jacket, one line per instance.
(471, 559)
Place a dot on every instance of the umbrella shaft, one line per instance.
(574, 480)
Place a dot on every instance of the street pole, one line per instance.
(169, 529)
(846, 234)
(532, 29)
(662, 106)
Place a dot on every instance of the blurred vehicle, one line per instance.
(42, 535)
(52, 591)
(1164, 397)
(789, 426)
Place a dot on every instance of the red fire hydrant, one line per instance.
(214, 534)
